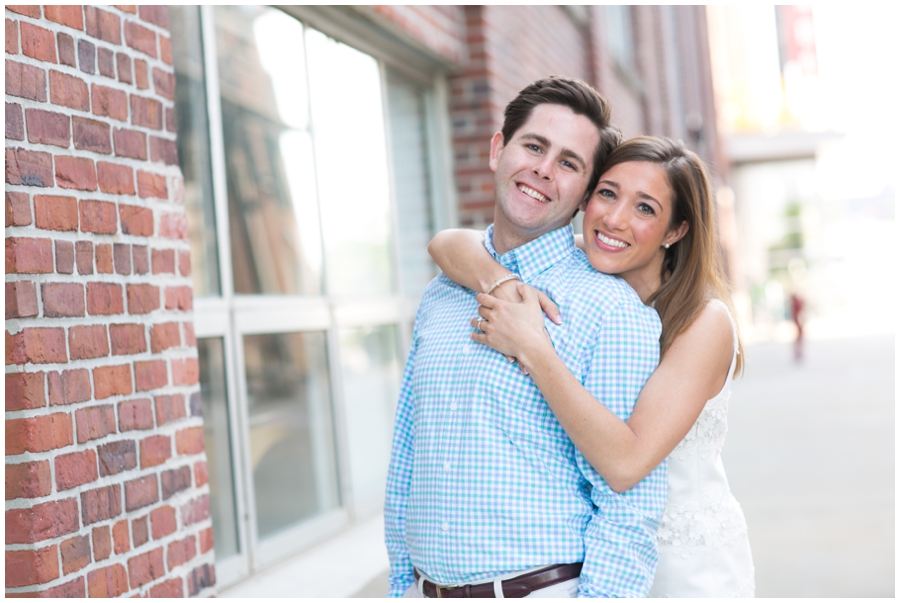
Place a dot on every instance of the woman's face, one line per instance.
(626, 224)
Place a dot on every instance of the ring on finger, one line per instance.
(478, 322)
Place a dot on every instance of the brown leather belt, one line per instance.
(518, 587)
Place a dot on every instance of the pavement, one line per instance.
(810, 457)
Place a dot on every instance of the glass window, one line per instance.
(620, 34)
(291, 431)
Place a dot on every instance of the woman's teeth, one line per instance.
(611, 242)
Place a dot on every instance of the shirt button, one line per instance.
(453, 406)
(466, 348)
(446, 466)
(445, 526)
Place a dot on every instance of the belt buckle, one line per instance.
(438, 588)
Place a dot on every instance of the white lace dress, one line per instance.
(703, 546)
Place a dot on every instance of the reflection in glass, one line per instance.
(193, 147)
(412, 185)
(272, 204)
(351, 162)
(291, 431)
(217, 439)
(371, 379)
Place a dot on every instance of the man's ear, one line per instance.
(496, 150)
(677, 233)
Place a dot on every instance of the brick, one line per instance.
(146, 568)
(123, 66)
(170, 120)
(185, 371)
(175, 481)
(189, 440)
(180, 552)
(89, 341)
(76, 172)
(122, 258)
(163, 261)
(140, 74)
(75, 469)
(200, 578)
(24, 568)
(127, 339)
(37, 42)
(163, 522)
(140, 531)
(140, 259)
(26, 81)
(101, 542)
(24, 391)
(63, 299)
(106, 64)
(18, 209)
(135, 414)
(65, 46)
(65, 257)
(87, 56)
(169, 408)
(136, 220)
(38, 434)
(109, 102)
(152, 185)
(111, 381)
(155, 450)
(127, 8)
(12, 37)
(173, 588)
(38, 345)
(164, 83)
(102, 25)
(30, 168)
(15, 123)
(103, 254)
(142, 299)
(67, 14)
(184, 262)
(117, 457)
(69, 91)
(130, 143)
(201, 473)
(173, 226)
(164, 150)
(21, 299)
(121, 537)
(178, 189)
(92, 135)
(107, 582)
(98, 216)
(140, 493)
(150, 374)
(29, 10)
(101, 504)
(145, 112)
(104, 299)
(69, 387)
(55, 212)
(165, 49)
(140, 38)
(84, 257)
(71, 589)
(95, 422)
(75, 553)
(28, 480)
(207, 540)
(42, 521)
(156, 14)
(164, 336)
(47, 127)
(115, 178)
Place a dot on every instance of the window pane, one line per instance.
(291, 430)
(412, 184)
(273, 210)
(351, 162)
(193, 147)
(371, 373)
(217, 438)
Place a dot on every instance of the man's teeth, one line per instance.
(533, 194)
(611, 242)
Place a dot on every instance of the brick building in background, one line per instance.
(318, 149)
(106, 487)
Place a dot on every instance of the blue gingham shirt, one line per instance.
(483, 480)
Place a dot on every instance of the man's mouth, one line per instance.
(611, 242)
(533, 193)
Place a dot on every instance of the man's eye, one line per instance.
(568, 164)
(533, 147)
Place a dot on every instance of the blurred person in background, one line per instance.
(650, 221)
(797, 317)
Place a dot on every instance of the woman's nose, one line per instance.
(614, 218)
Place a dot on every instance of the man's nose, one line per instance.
(544, 168)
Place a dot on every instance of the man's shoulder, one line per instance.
(594, 290)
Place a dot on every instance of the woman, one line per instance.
(650, 222)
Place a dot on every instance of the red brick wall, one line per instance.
(106, 491)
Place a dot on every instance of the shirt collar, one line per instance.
(534, 257)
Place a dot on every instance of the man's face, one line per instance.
(541, 174)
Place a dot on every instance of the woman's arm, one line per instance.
(691, 372)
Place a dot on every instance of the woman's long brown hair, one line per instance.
(692, 271)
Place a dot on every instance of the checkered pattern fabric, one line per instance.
(483, 480)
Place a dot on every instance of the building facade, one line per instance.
(254, 279)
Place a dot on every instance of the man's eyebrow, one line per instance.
(564, 151)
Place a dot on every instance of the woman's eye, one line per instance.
(645, 209)
(605, 192)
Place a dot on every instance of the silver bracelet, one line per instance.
(499, 282)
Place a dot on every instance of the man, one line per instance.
(486, 495)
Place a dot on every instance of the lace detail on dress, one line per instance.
(707, 436)
(712, 522)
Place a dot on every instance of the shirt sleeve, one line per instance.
(620, 538)
(398, 482)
